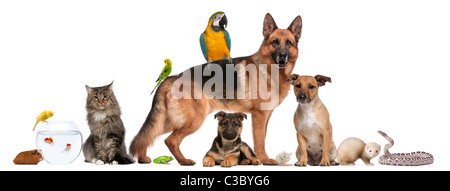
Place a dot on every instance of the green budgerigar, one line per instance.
(163, 160)
(164, 73)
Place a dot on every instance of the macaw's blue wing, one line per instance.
(228, 39)
(203, 46)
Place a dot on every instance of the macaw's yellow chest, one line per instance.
(216, 45)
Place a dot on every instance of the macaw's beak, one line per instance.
(223, 22)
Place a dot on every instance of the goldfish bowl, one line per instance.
(60, 141)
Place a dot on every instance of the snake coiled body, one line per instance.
(403, 159)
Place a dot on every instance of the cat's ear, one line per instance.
(88, 89)
(109, 87)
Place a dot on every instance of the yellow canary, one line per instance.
(42, 117)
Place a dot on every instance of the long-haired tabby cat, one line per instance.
(106, 142)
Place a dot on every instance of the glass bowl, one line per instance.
(60, 141)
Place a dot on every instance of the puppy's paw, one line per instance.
(301, 163)
(208, 162)
(228, 162)
(245, 162)
(324, 162)
(225, 163)
(335, 163)
(256, 162)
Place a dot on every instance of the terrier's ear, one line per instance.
(241, 116)
(292, 78)
(219, 115)
(322, 79)
(269, 26)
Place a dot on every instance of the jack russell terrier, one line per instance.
(311, 120)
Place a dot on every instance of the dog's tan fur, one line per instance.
(311, 120)
(183, 116)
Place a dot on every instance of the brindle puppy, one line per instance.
(227, 149)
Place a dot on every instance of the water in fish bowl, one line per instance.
(60, 142)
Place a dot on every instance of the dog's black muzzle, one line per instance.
(229, 134)
(281, 57)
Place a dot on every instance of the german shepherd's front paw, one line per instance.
(269, 162)
(144, 160)
(186, 162)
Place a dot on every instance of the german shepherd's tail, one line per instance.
(153, 125)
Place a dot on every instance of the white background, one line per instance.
(388, 61)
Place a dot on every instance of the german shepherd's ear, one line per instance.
(241, 116)
(322, 79)
(269, 26)
(296, 27)
(219, 115)
(291, 79)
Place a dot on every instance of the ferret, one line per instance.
(351, 149)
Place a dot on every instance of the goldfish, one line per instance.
(67, 149)
(49, 141)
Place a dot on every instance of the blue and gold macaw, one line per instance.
(215, 41)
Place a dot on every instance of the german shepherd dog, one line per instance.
(228, 149)
(183, 115)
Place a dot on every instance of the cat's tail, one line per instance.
(123, 158)
(152, 127)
